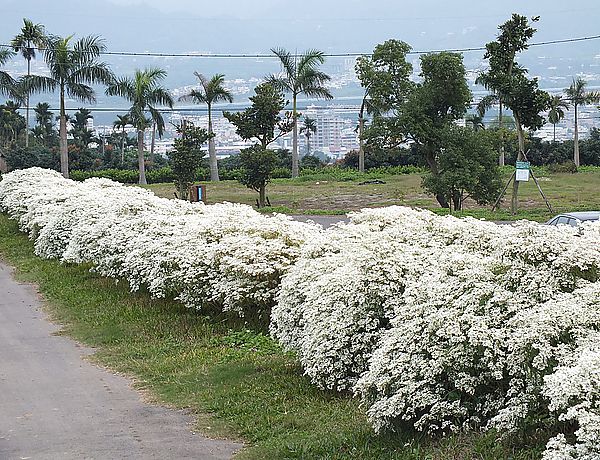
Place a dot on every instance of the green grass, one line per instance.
(237, 382)
(325, 194)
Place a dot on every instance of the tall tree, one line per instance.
(186, 157)
(577, 96)
(44, 127)
(262, 120)
(73, 67)
(556, 112)
(12, 123)
(309, 128)
(385, 78)
(434, 105)
(476, 121)
(210, 92)
(7, 83)
(30, 37)
(300, 75)
(508, 80)
(82, 135)
(145, 93)
(122, 122)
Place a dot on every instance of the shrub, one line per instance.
(448, 324)
(223, 257)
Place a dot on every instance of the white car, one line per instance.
(574, 218)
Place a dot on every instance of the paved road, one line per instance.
(56, 405)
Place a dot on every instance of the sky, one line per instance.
(333, 26)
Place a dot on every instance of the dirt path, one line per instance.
(56, 405)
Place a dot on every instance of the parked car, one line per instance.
(574, 218)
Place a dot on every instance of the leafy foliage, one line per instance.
(186, 157)
(257, 170)
(262, 120)
(467, 169)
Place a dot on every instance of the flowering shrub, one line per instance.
(452, 324)
(438, 323)
(225, 256)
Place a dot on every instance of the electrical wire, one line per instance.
(273, 56)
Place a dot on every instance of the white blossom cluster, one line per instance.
(439, 323)
(225, 257)
(452, 324)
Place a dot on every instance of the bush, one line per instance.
(445, 324)
(566, 167)
(224, 257)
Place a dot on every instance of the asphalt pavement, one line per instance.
(54, 404)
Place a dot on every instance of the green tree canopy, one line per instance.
(262, 120)
(187, 156)
(467, 168)
(257, 169)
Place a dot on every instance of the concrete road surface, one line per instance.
(56, 405)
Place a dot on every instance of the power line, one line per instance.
(272, 56)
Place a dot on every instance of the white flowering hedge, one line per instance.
(452, 324)
(226, 257)
(438, 323)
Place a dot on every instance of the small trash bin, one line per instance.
(198, 193)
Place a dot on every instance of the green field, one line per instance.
(322, 194)
(238, 383)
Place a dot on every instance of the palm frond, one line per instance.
(38, 84)
(160, 96)
(123, 87)
(81, 92)
(310, 60)
(194, 96)
(288, 62)
(280, 83)
(158, 119)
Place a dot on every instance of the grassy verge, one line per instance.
(237, 382)
(316, 194)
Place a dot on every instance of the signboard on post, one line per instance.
(198, 193)
(522, 172)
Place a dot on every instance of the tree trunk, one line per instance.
(27, 107)
(141, 165)
(212, 153)
(554, 133)
(576, 143)
(430, 158)
(262, 193)
(123, 147)
(295, 168)
(64, 153)
(514, 203)
(501, 153)
(361, 144)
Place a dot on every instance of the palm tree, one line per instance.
(476, 121)
(210, 91)
(72, 69)
(44, 128)
(7, 83)
(144, 93)
(300, 76)
(122, 122)
(578, 96)
(32, 36)
(309, 128)
(556, 112)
